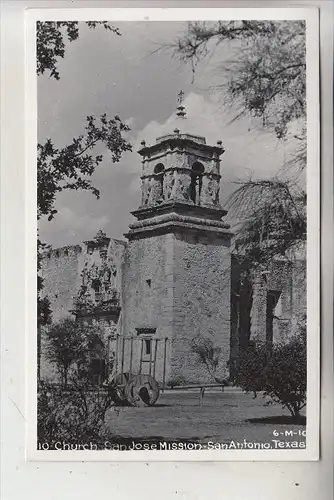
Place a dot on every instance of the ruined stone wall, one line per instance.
(299, 293)
(60, 272)
(288, 278)
(201, 302)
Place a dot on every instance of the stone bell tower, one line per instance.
(177, 263)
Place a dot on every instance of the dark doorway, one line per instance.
(272, 300)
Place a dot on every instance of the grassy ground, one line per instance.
(223, 416)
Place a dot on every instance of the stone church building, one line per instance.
(174, 280)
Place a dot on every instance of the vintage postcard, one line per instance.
(173, 235)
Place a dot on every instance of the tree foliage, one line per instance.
(279, 372)
(72, 166)
(51, 37)
(273, 215)
(70, 345)
(75, 415)
(265, 75)
(74, 411)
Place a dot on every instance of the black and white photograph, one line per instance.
(174, 311)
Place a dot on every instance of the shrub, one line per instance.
(73, 346)
(210, 356)
(280, 372)
(74, 415)
(176, 381)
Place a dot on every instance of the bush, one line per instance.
(74, 415)
(75, 347)
(177, 381)
(280, 372)
(210, 357)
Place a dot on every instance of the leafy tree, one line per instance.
(65, 345)
(71, 343)
(273, 215)
(280, 372)
(69, 167)
(265, 74)
(51, 37)
(74, 412)
(272, 226)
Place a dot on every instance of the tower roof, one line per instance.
(177, 139)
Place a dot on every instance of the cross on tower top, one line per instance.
(180, 112)
(180, 97)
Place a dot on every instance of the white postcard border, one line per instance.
(313, 256)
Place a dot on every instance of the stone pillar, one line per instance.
(181, 188)
(168, 186)
(259, 309)
(145, 191)
(210, 190)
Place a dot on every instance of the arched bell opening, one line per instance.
(196, 180)
(159, 172)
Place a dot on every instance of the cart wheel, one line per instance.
(142, 390)
(117, 387)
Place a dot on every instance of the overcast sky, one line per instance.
(105, 73)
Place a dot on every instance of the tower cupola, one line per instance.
(180, 175)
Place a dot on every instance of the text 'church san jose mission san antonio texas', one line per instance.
(175, 279)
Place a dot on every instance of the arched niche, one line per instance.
(196, 178)
(159, 171)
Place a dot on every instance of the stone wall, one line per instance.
(147, 298)
(60, 271)
(201, 302)
(288, 280)
(178, 284)
(62, 274)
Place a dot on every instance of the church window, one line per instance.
(148, 343)
(147, 337)
(97, 287)
(146, 331)
(196, 178)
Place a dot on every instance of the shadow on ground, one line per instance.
(279, 420)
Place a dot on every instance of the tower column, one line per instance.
(177, 262)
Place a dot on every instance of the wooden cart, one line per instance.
(138, 374)
(135, 362)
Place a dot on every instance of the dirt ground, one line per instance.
(222, 418)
